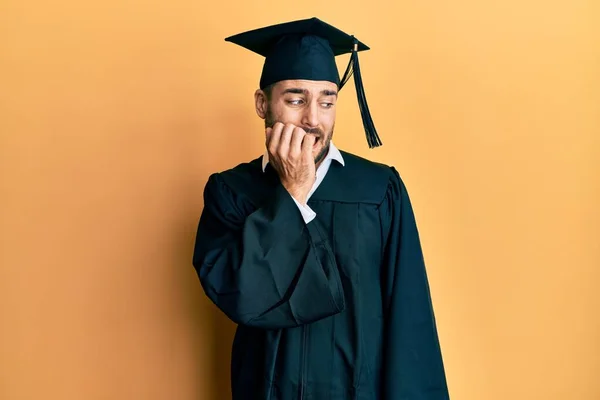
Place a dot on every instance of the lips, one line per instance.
(316, 136)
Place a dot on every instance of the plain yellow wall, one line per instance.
(113, 114)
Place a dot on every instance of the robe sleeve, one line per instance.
(264, 267)
(413, 367)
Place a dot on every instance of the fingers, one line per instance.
(268, 135)
(284, 141)
(273, 137)
(298, 136)
(307, 146)
(289, 143)
(282, 138)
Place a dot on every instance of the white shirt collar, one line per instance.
(332, 154)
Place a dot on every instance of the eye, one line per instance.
(327, 105)
(295, 102)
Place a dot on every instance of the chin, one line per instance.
(320, 153)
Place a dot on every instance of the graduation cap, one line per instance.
(306, 49)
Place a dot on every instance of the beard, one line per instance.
(325, 138)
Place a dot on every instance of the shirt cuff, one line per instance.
(307, 213)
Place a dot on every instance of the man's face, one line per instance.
(310, 105)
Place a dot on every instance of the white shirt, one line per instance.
(333, 154)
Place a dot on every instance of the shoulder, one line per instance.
(242, 173)
(245, 180)
(370, 178)
(363, 166)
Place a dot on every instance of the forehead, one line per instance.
(311, 86)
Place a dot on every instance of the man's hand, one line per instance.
(291, 154)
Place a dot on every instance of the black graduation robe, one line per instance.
(338, 308)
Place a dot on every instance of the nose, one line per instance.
(311, 115)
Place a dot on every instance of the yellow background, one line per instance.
(113, 113)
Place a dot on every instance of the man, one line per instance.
(312, 251)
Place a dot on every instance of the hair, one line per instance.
(269, 91)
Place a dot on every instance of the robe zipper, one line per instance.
(303, 361)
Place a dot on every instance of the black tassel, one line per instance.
(354, 69)
(348, 72)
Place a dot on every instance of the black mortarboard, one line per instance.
(306, 49)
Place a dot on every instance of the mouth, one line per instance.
(317, 138)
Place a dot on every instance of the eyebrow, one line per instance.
(305, 91)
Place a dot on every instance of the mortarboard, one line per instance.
(306, 49)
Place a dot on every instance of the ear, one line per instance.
(260, 102)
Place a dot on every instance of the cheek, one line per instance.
(328, 119)
(285, 114)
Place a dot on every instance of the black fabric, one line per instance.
(338, 308)
(303, 49)
(307, 57)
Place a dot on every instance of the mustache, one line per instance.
(314, 131)
(270, 122)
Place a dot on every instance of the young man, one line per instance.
(312, 251)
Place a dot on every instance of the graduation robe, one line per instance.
(335, 309)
